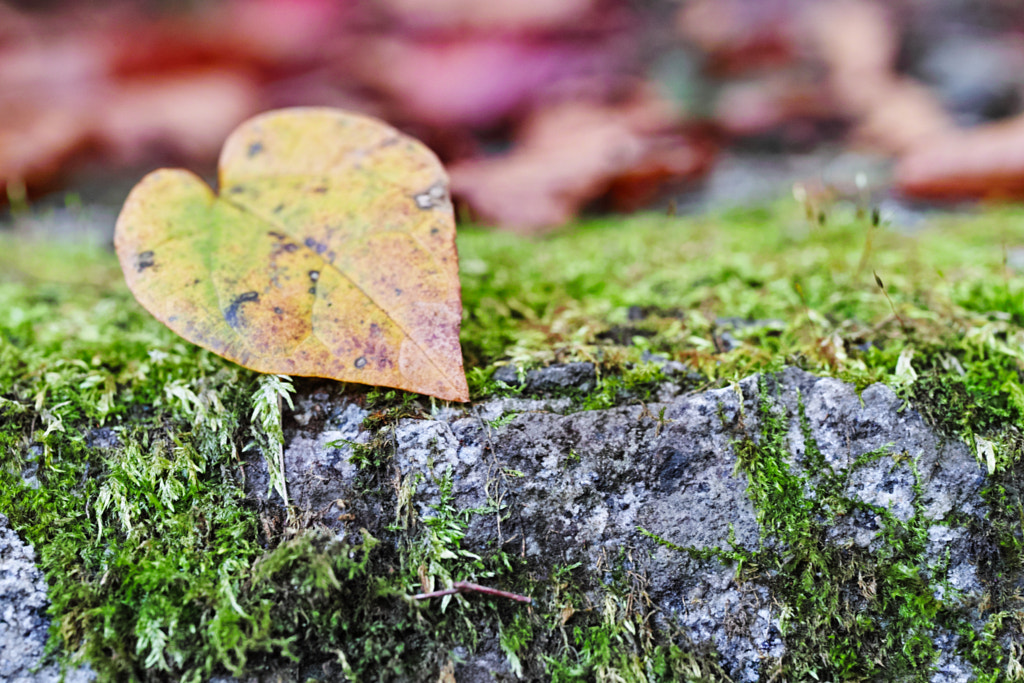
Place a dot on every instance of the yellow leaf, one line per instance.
(329, 252)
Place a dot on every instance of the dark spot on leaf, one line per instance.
(278, 310)
(172, 318)
(278, 208)
(255, 148)
(231, 314)
(434, 231)
(318, 247)
(398, 292)
(311, 290)
(277, 235)
(360, 362)
(290, 247)
(237, 189)
(374, 330)
(320, 189)
(145, 260)
(196, 281)
(314, 275)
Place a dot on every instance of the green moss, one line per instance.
(577, 295)
(846, 613)
(616, 640)
(159, 567)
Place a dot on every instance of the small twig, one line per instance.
(807, 309)
(875, 217)
(467, 587)
(881, 286)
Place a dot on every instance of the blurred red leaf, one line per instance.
(36, 142)
(670, 160)
(523, 15)
(477, 80)
(93, 91)
(858, 42)
(739, 36)
(185, 113)
(978, 163)
(754, 107)
(190, 112)
(570, 154)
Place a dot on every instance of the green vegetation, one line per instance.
(610, 290)
(121, 449)
(847, 614)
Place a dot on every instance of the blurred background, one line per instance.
(541, 109)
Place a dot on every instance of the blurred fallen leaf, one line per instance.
(739, 36)
(985, 162)
(330, 252)
(523, 15)
(36, 142)
(858, 42)
(62, 97)
(474, 80)
(191, 112)
(571, 153)
(771, 103)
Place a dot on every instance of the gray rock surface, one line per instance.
(580, 485)
(554, 378)
(23, 620)
(569, 487)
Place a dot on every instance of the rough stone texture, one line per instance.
(725, 327)
(950, 668)
(23, 621)
(581, 484)
(554, 378)
(102, 437)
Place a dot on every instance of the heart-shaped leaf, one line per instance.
(330, 252)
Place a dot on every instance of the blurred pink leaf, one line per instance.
(570, 154)
(986, 162)
(475, 80)
(738, 36)
(522, 15)
(858, 42)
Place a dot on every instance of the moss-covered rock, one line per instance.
(139, 467)
(774, 523)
